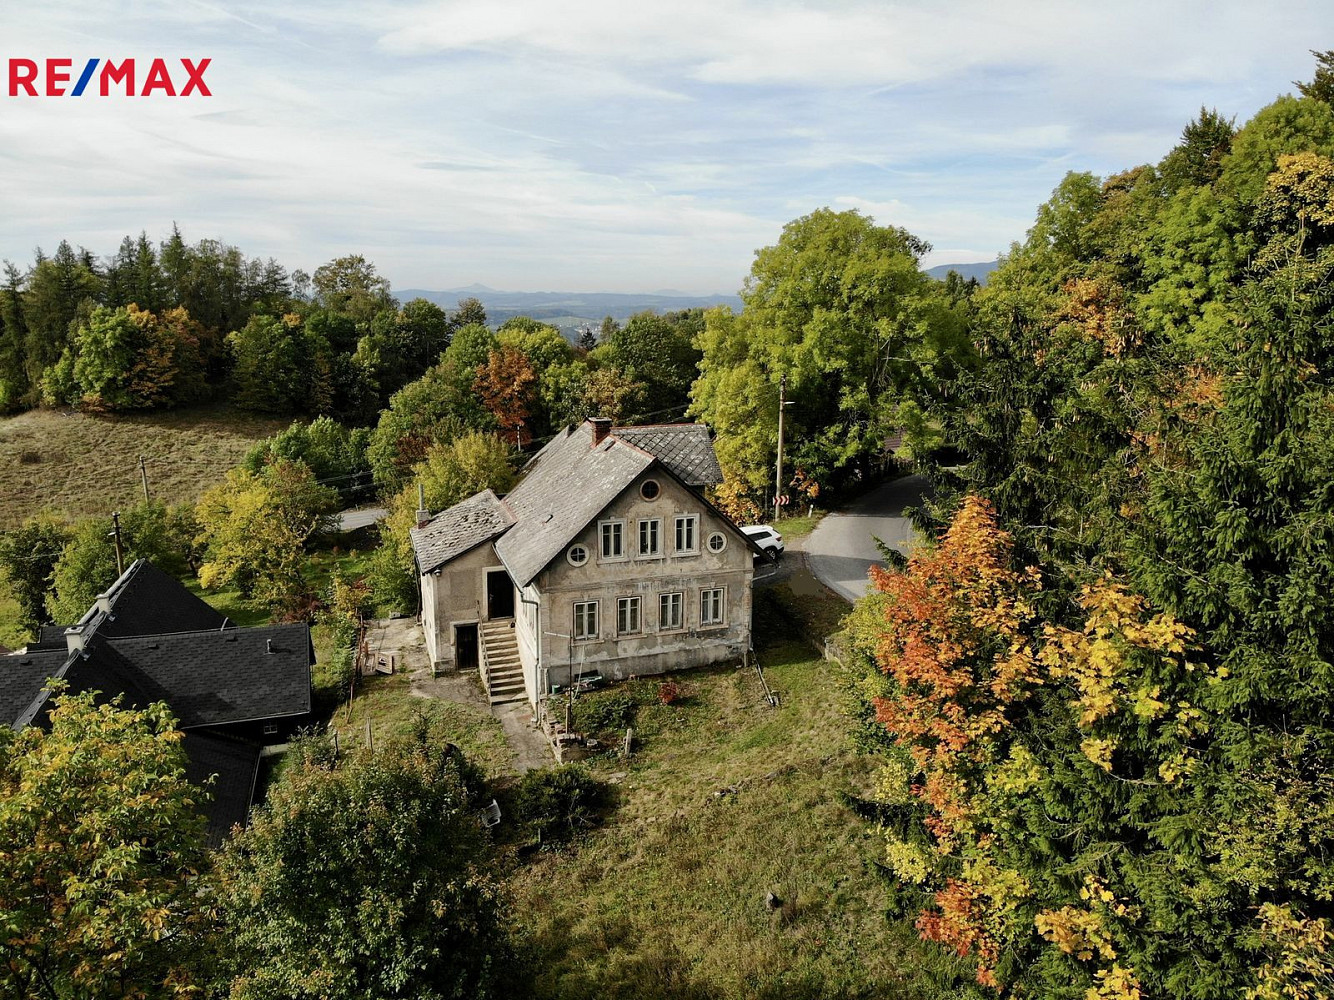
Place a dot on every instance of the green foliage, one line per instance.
(557, 803)
(254, 528)
(103, 848)
(28, 558)
(841, 307)
(660, 353)
(270, 366)
(87, 565)
(335, 454)
(604, 711)
(449, 473)
(369, 878)
(1149, 808)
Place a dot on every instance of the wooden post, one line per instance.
(629, 739)
(143, 476)
(778, 478)
(370, 740)
(115, 534)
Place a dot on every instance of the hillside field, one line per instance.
(82, 465)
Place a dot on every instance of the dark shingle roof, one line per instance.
(146, 601)
(568, 484)
(49, 637)
(462, 527)
(22, 678)
(218, 677)
(686, 449)
(232, 767)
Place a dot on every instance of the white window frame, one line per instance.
(617, 529)
(643, 490)
(680, 623)
(623, 610)
(581, 617)
(706, 597)
(693, 521)
(708, 542)
(569, 554)
(656, 551)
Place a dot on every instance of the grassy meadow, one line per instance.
(726, 799)
(81, 464)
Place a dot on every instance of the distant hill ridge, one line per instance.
(566, 310)
(980, 270)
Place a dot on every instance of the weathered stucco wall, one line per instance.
(456, 596)
(654, 648)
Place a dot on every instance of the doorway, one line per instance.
(465, 647)
(499, 594)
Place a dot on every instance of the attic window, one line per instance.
(717, 541)
(577, 555)
(650, 489)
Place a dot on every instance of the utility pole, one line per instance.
(143, 475)
(778, 478)
(115, 534)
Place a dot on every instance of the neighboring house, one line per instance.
(148, 638)
(605, 559)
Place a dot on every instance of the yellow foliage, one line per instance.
(1300, 966)
(1116, 983)
(1076, 932)
(908, 861)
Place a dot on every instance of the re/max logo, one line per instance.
(120, 78)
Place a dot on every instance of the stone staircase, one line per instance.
(502, 673)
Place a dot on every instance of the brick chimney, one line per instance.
(601, 428)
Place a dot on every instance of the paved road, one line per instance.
(351, 520)
(842, 548)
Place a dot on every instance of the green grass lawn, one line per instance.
(724, 800)
(800, 526)
(81, 465)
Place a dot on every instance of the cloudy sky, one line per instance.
(617, 146)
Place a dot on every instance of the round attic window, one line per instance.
(650, 489)
(577, 555)
(717, 541)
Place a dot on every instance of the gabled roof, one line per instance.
(49, 637)
(686, 449)
(146, 601)
(462, 527)
(567, 486)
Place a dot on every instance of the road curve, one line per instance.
(351, 520)
(842, 547)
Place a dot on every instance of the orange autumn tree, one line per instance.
(975, 691)
(507, 384)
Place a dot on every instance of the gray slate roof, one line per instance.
(567, 486)
(464, 526)
(686, 449)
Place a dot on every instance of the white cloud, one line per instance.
(605, 145)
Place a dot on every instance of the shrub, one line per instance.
(556, 803)
(668, 692)
(604, 710)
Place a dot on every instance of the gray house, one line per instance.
(605, 559)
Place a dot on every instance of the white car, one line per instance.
(766, 538)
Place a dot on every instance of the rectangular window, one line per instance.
(627, 615)
(687, 533)
(711, 607)
(650, 532)
(586, 619)
(669, 611)
(613, 540)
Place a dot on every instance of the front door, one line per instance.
(499, 594)
(465, 647)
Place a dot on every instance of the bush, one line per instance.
(556, 803)
(604, 710)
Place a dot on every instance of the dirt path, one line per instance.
(403, 637)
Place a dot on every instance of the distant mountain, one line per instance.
(979, 270)
(566, 310)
